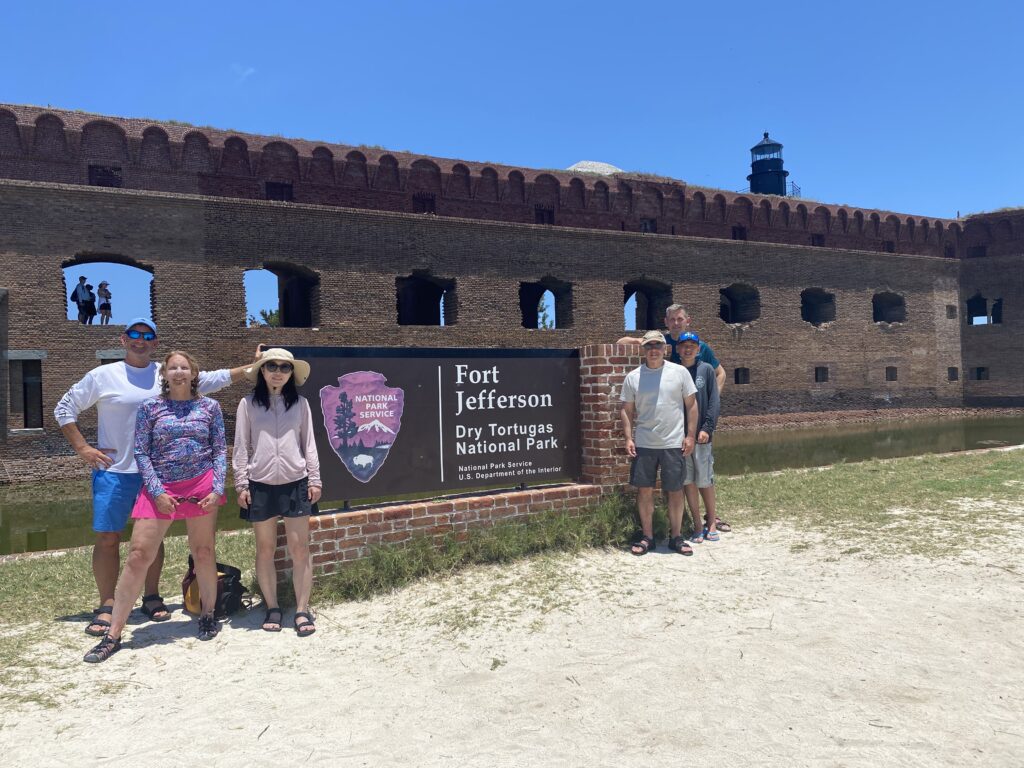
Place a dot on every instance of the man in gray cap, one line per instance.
(659, 403)
(117, 390)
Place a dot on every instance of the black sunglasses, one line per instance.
(190, 499)
(145, 335)
(275, 367)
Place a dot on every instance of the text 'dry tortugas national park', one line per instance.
(810, 306)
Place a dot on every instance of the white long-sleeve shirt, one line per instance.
(117, 389)
(274, 446)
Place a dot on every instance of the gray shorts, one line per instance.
(700, 466)
(644, 470)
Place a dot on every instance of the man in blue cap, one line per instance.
(116, 390)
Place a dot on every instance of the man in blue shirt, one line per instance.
(678, 321)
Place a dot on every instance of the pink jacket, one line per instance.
(274, 446)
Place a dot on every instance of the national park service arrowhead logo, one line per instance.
(363, 416)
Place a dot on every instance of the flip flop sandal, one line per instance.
(679, 545)
(306, 628)
(711, 536)
(98, 622)
(269, 619)
(103, 650)
(151, 613)
(723, 526)
(645, 544)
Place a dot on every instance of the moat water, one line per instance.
(40, 517)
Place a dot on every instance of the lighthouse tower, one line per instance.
(767, 176)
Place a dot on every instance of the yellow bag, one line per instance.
(230, 590)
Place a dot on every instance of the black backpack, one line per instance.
(230, 590)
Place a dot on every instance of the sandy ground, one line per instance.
(758, 651)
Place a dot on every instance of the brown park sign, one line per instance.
(395, 421)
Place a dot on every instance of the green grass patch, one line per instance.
(890, 507)
(610, 523)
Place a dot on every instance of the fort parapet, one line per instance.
(39, 144)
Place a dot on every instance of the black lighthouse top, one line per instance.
(765, 149)
(767, 176)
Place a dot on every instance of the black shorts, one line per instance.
(273, 501)
(644, 470)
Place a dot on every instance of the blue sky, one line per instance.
(907, 106)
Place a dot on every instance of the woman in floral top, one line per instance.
(182, 455)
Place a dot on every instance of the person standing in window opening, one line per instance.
(677, 321)
(89, 306)
(104, 296)
(700, 465)
(659, 400)
(182, 455)
(117, 390)
(277, 475)
(79, 295)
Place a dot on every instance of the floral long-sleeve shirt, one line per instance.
(179, 440)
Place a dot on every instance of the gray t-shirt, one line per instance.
(658, 394)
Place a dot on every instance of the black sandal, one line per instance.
(679, 545)
(306, 628)
(103, 624)
(269, 619)
(160, 608)
(645, 544)
(208, 627)
(103, 650)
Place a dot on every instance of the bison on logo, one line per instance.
(363, 416)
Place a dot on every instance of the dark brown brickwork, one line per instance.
(59, 146)
(995, 272)
(198, 249)
(190, 213)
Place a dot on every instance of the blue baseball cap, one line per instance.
(688, 336)
(142, 321)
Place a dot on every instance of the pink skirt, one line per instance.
(198, 487)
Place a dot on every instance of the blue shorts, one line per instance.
(113, 496)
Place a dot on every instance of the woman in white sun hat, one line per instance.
(277, 475)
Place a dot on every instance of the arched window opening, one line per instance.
(422, 299)
(978, 312)
(644, 304)
(262, 302)
(111, 293)
(817, 306)
(281, 295)
(546, 304)
(739, 303)
(888, 308)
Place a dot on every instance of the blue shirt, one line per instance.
(705, 355)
